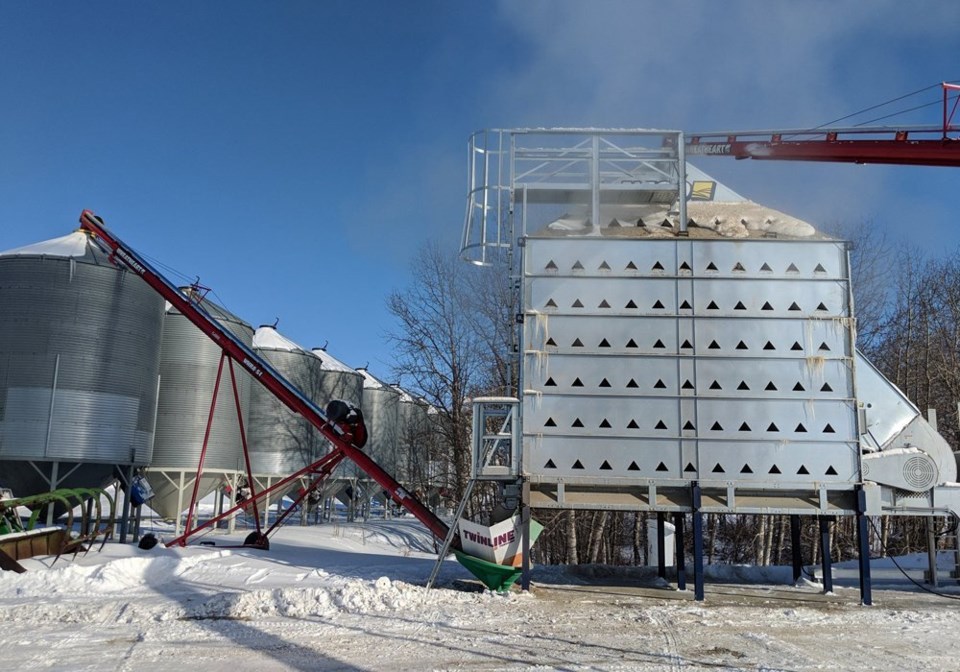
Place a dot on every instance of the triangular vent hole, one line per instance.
(717, 469)
(632, 383)
(689, 469)
(713, 306)
(830, 471)
(826, 388)
(604, 304)
(766, 306)
(549, 465)
(822, 307)
(746, 469)
(631, 304)
(685, 267)
(550, 423)
(550, 383)
(577, 423)
(686, 305)
(631, 266)
(800, 428)
(633, 425)
(739, 306)
(662, 467)
(552, 342)
(712, 267)
(660, 425)
(743, 385)
(632, 344)
(713, 346)
(824, 347)
(803, 471)
(792, 268)
(774, 470)
(770, 387)
(576, 383)
(745, 428)
(819, 269)
(633, 467)
(604, 343)
(769, 346)
(794, 306)
(604, 383)
(829, 429)
(688, 426)
(551, 266)
(717, 427)
(577, 344)
(659, 385)
(657, 266)
(686, 345)
(742, 346)
(658, 305)
(796, 346)
(766, 267)
(799, 388)
(604, 424)
(577, 303)
(577, 266)
(551, 303)
(578, 465)
(687, 385)
(606, 466)
(773, 427)
(738, 268)
(715, 386)
(604, 266)
(659, 344)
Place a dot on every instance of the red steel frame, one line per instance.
(262, 372)
(914, 146)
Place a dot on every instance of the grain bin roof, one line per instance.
(76, 245)
(331, 363)
(268, 338)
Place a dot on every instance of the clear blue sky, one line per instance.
(295, 154)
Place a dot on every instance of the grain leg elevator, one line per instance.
(683, 350)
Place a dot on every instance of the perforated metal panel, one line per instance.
(722, 361)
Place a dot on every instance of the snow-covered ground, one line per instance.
(349, 597)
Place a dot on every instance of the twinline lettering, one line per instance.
(495, 542)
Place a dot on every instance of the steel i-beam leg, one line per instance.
(826, 560)
(863, 539)
(697, 543)
(681, 562)
(661, 551)
(795, 549)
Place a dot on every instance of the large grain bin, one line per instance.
(381, 409)
(188, 370)
(339, 381)
(79, 360)
(280, 441)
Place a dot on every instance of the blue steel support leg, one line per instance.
(661, 551)
(863, 538)
(827, 562)
(697, 543)
(679, 541)
(795, 549)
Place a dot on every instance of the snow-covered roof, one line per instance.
(404, 395)
(369, 380)
(331, 363)
(268, 338)
(76, 244)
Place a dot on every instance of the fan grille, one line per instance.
(919, 472)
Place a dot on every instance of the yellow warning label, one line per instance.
(702, 190)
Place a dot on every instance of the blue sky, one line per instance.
(294, 155)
